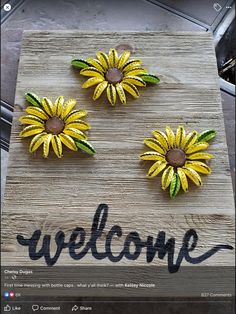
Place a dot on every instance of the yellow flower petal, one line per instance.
(193, 175)
(162, 138)
(197, 156)
(75, 133)
(180, 136)
(75, 115)
(167, 177)
(183, 179)
(68, 141)
(38, 112)
(156, 168)
(46, 145)
(121, 93)
(90, 71)
(134, 80)
(130, 88)
(99, 89)
(97, 64)
(59, 105)
(123, 59)
(68, 107)
(134, 72)
(102, 57)
(196, 147)
(152, 156)
(92, 81)
(131, 64)
(37, 141)
(113, 57)
(57, 146)
(154, 144)
(190, 139)
(198, 166)
(111, 94)
(170, 136)
(30, 119)
(48, 106)
(78, 124)
(31, 130)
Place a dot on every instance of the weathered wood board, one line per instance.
(60, 194)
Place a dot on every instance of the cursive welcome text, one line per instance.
(132, 248)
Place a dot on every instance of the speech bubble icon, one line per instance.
(35, 307)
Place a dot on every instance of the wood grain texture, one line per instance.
(55, 194)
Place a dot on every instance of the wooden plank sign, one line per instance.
(121, 213)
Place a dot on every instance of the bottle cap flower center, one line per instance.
(114, 75)
(176, 157)
(54, 125)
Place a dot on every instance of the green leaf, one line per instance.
(206, 136)
(174, 186)
(33, 99)
(85, 146)
(150, 78)
(80, 63)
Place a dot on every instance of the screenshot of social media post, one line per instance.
(118, 157)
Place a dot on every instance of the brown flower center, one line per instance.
(54, 125)
(176, 157)
(114, 75)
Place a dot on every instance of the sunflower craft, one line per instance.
(55, 124)
(115, 74)
(179, 156)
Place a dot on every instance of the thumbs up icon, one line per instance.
(7, 308)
